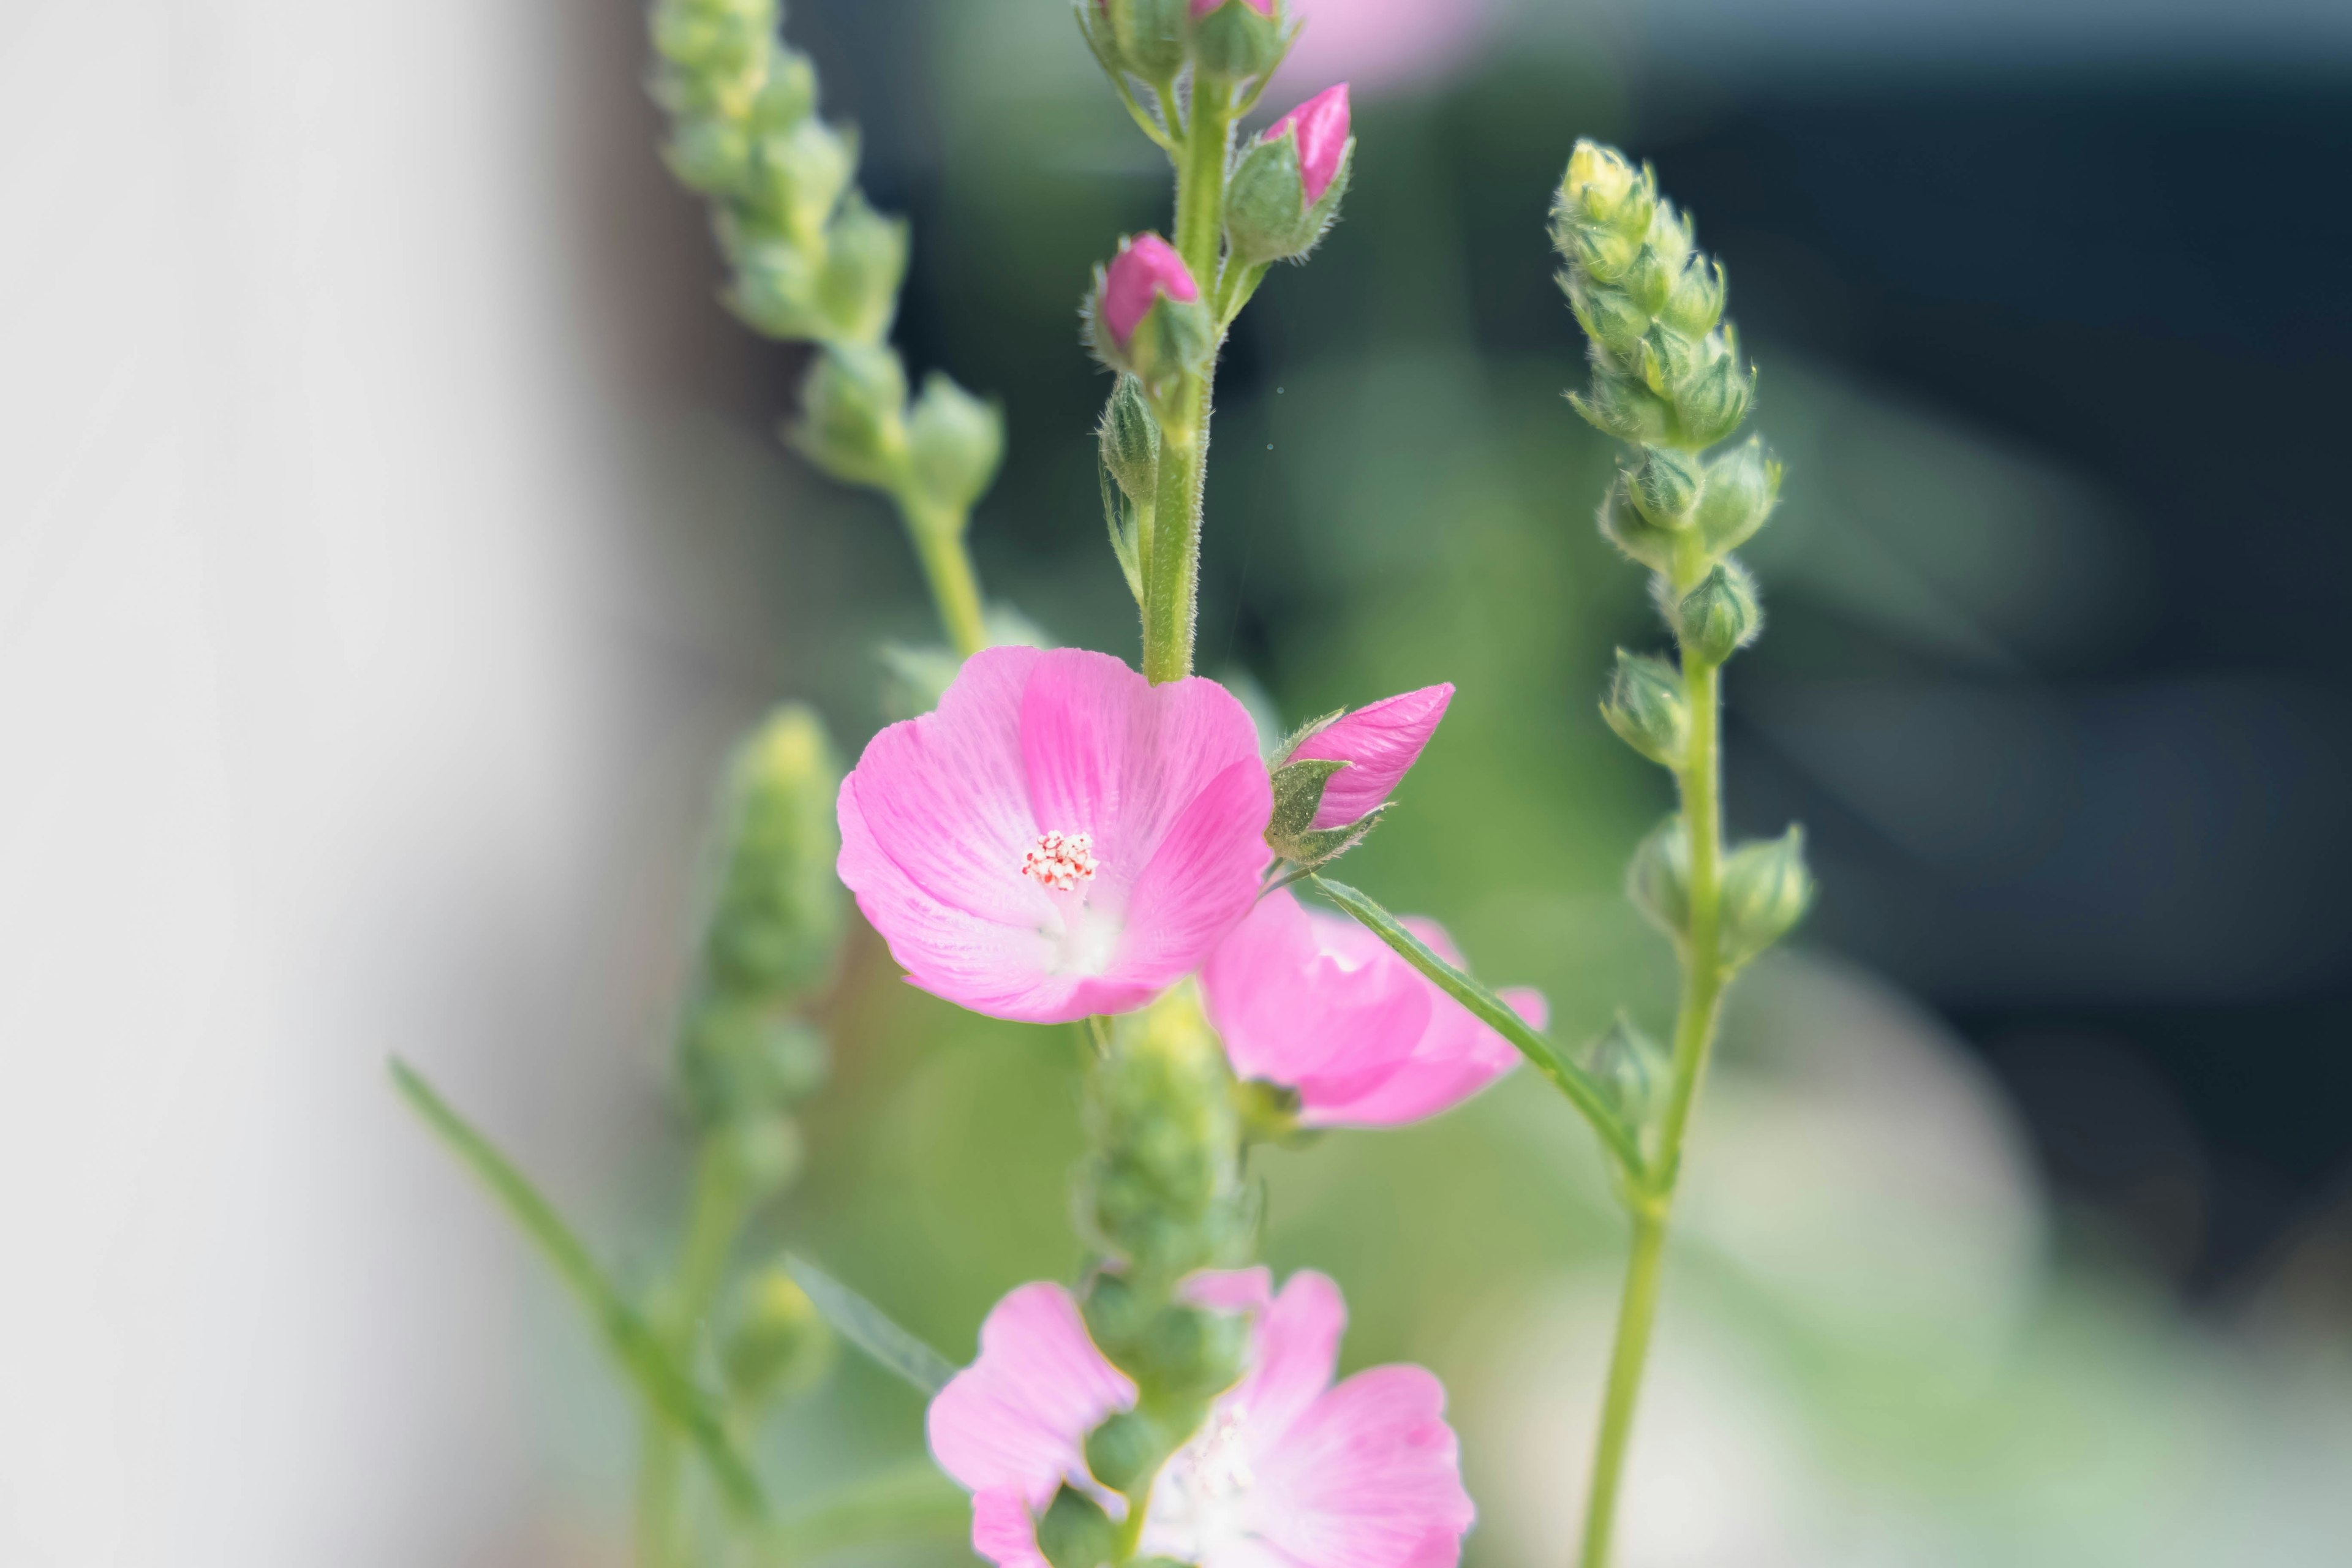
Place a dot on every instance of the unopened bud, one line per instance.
(1601, 188)
(1664, 484)
(1075, 1533)
(1720, 616)
(1622, 525)
(852, 420)
(1609, 315)
(781, 1345)
(798, 175)
(776, 920)
(1236, 39)
(1192, 1353)
(1161, 1188)
(1142, 37)
(1710, 403)
(865, 262)
(955, 443)
(1130, 439)
(1766, 891)
(1696, 303)
(709, 153)
(788, 96)
(1632, 1069)
(1620, 406)
(1658, 880)
(1147, 316)
(1741, 487)
(1288, 186)
(760, 1155)
(1646, 707)
(741, 1056)
(1127, 1448)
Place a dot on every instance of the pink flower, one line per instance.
(1380, 45)
(1321, 123)
(1287, 1469)
(1378, 743)
(1202, 7)
(1145, 268)
(1315, 1003)
(1060, 838)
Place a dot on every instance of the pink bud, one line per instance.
(1378, 743)
(1145, 268)
(1322, 125)
(1202, 7)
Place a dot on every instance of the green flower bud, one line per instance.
(1766, 891)
(798, 175)
(1742, 485)
(788, 96)
(1142, 37)
(762, 1154)
(1622, 525)
(1649, 282)
(1664, 484)
(865, 263)
(1126, 1449)
(713, 53)
(1696, 303)
(1632, 1069)
(955, 442)
(1269, 1113)
(1646, 707)
(1236, 41)
(1658, 881)
(738, 1056)
(775, 284)
(1710, 403)
(1601, 189)
(1720, 616)
(1288, 186)
(1075, 1531)
(710, 153)
(1609, 315)
(781, 1344)
(1192, 1353)
(1130, 439)
(1161, 1190)
(1621, 406)
(776, 920)
(852, 420)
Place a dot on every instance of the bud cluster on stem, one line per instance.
(810, 261)
(1667, 379)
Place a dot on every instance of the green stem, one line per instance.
(1652, 1197)
(939, 539)
(1172, 576)
(714, 1217)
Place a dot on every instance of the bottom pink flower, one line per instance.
(1288, 1469)
(1315, 1003)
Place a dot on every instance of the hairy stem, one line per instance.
(1653, 1195)
(714, 1217)
(939, 539)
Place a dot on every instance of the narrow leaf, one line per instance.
(631, 1340)
(1572, 1080)
(914, 1502)
(868, 1327)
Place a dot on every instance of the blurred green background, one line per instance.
(2015, 1231)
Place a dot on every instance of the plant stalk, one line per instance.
(939, 539)
(714, 1216)
(1652, 1195)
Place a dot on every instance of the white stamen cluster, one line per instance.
(1060, 860)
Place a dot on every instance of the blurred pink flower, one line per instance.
(1379, 44)
(1287, 1469)
(1315, 1003)
(1145, 268)
(1059, 837)
(1379, 743)
(1322, 125)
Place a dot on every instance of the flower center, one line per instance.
(1060, 860)
(1196, 1506)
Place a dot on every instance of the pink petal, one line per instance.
(1322, 125)
(1457, 1059)
(1230, 1289)
(1293, 1355)
(1016, 1419)
(1299, 1002)
(1145, 268)
(1202, 880)
(1378, 743)
(1369, 1476)
(1003, 1531)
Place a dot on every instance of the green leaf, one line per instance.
(630, 1337)
(868, 1327)
(1589, 1098)
(912, 1502)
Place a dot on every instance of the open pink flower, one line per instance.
(1288, 1469)
(1321, 125)
(1145, 268)
(1378, 743)
(1315, 1003)
(1059, 837)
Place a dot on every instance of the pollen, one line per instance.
(1060, 860)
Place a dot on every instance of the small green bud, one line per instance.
(788, 95)
(1602, 188)
(798, 175)
(1650, 280)
(955, 442)
(1720, 616)
(1609, 315)
(1622, 525)
(851, 413)
(1710, 404)
(1142, 37)
(1269, 1113)
(775, 284)
(709, 153)
(1161, 1188)
(1658, 881)
(1191, 1352)
(1236, 41)
(776, 920)
(762, 1153)
(1742, 485)
(1126, 1449)
(1766, 891)
(1075, 1531)
(781, 1345)
(1663, 485)
(1130, 439)
(1646, 707)
(1274, 210)
(1146, 317)
(1620, 406)
(865, 263)
(1696, 303)
(1632, 1070)
(739, 1057)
